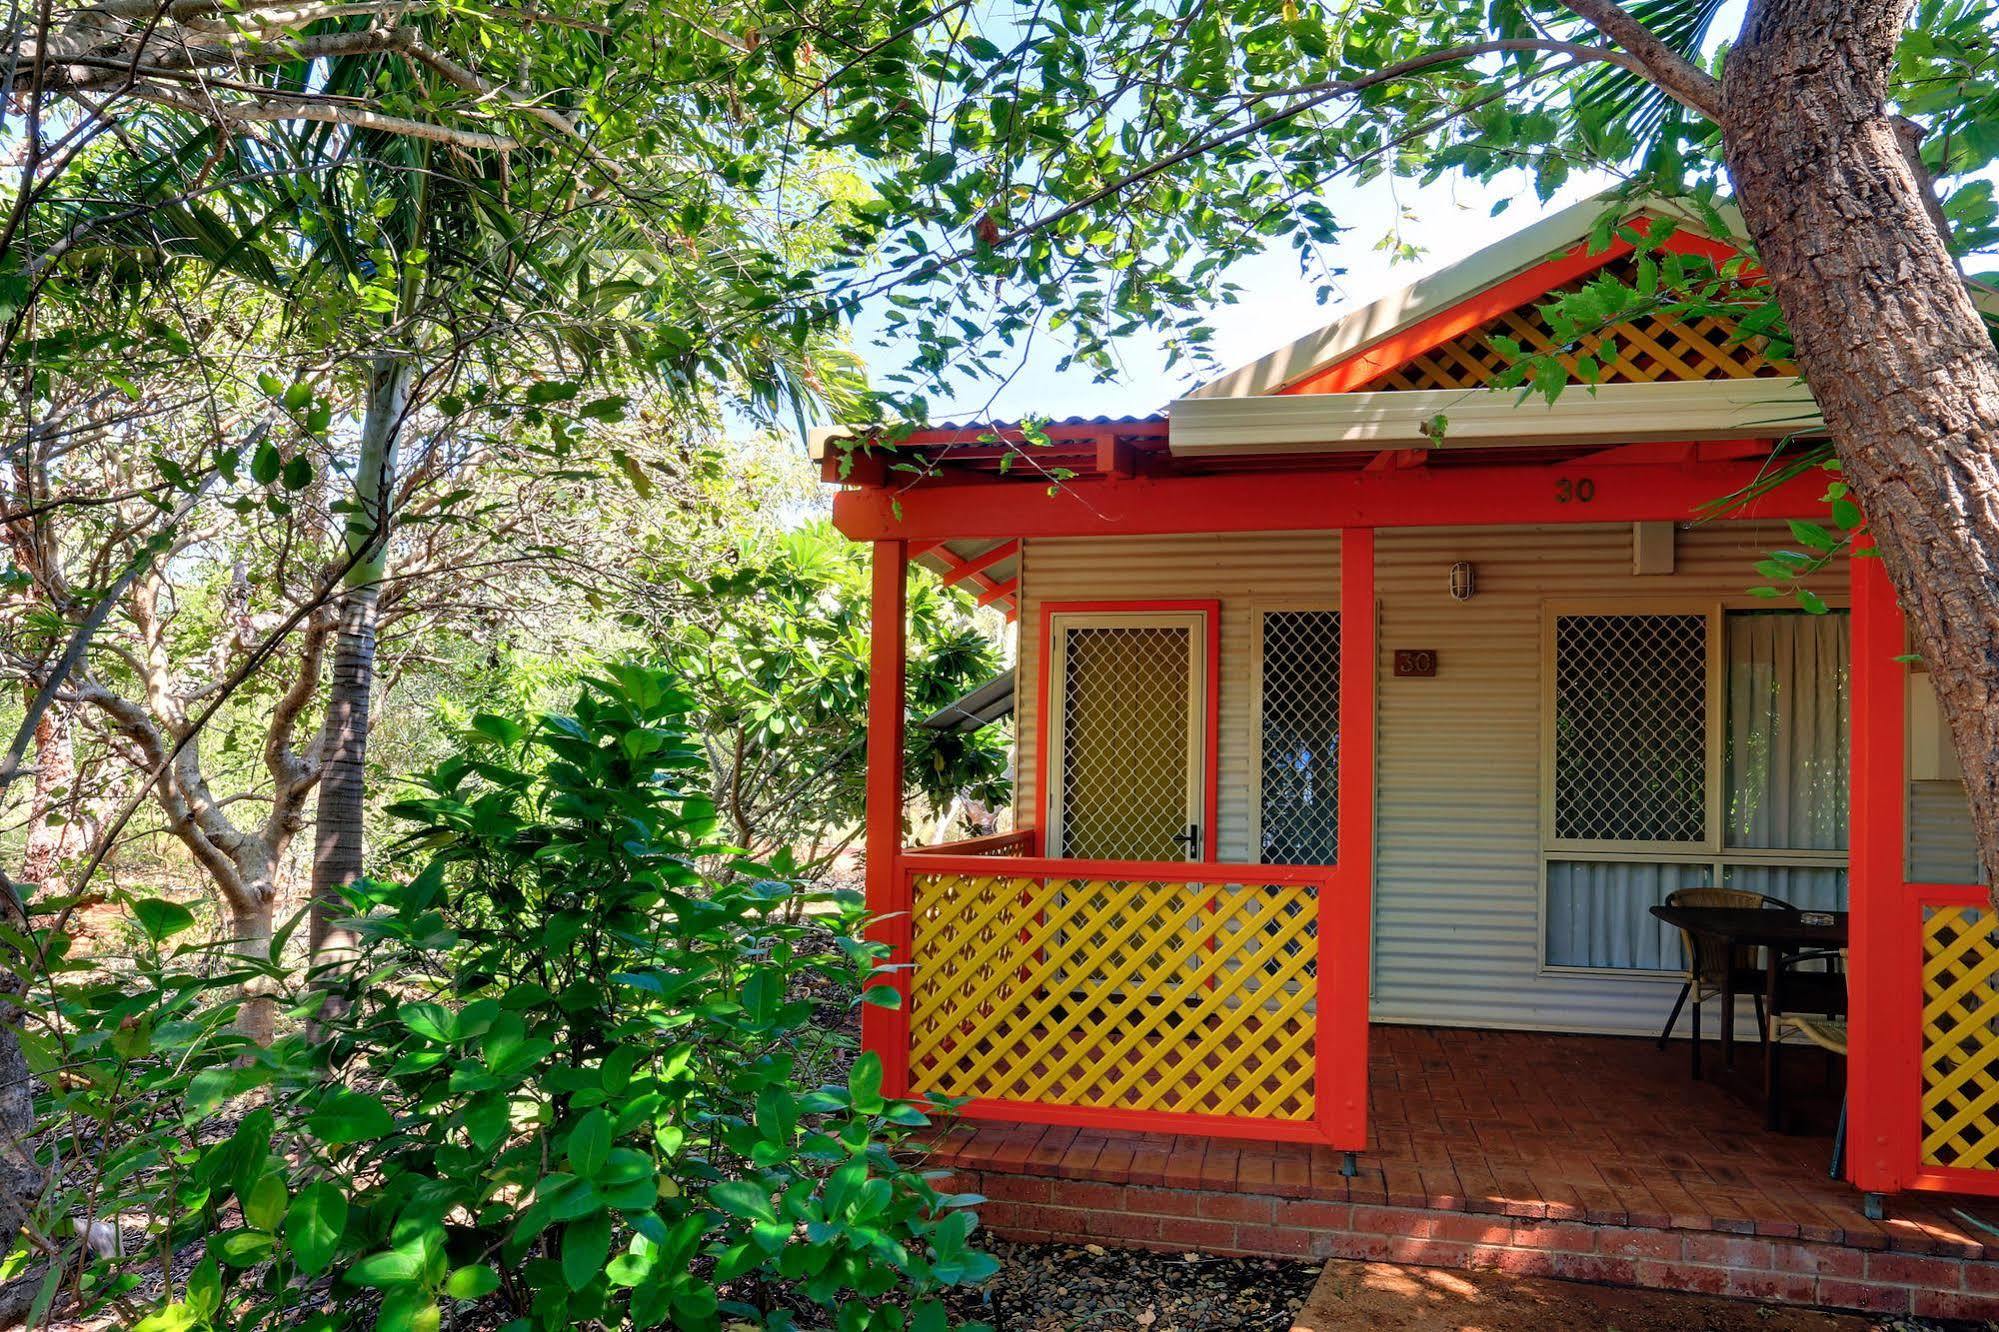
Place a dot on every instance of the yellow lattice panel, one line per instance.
(1646, 350)
(1961, 1038)
(1194, 999)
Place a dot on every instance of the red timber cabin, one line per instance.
(1338, 738)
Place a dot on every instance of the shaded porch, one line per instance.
(1594, 1158)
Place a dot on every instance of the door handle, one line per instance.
(1191, 839)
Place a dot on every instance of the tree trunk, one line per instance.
(337, 834)
(21, 1178)
(250, 934)
(1896, 353)
(55, 778)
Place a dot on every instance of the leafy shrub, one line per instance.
(566, 1083)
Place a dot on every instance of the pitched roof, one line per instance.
(1447, 287)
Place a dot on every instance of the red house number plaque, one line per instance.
(1415, 662)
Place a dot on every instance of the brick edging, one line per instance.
(1790, 1271)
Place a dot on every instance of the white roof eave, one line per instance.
(1491, 418)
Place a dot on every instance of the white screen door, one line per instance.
(1125, 765)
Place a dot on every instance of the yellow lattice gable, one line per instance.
(1654, 349)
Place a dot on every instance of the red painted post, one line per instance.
(886, 1030)
(1345, 912)
(1884, 980)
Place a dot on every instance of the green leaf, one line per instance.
(864, 1085)
(586, 1246)
(1811, 534)
(161, 919)
(428, 1020)
(314, 1224)
(590, 1144)
(740, 1197)
(882, 996)
(348, 1117)
(266, 463)
(401, 1266)
(243, 1248)
(264, 1208)
(472, 1282)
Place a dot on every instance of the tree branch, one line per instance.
(1679, 77)
(271, 108)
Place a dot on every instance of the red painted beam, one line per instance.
(957, 569)
(886, 1030)
(1884, 964)
(1314, 500)
(979, 563)
(999, 592)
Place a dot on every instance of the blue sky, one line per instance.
(1444, 222)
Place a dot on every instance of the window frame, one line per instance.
(1713, 768)
(1712, 850)
(1259, 609)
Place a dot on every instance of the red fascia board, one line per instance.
(1398, 349)
(1296, 501)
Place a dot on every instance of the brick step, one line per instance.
(1790, 1271)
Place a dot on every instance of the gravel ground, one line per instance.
(1063, 1287)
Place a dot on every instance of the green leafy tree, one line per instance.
(570, 1088)
(778, 659)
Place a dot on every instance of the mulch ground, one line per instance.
(1051, 1287)
(1072, 1288)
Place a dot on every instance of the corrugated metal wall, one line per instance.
(1239, 570)
(1457, 888)
(1457, 892)
(1941, 848)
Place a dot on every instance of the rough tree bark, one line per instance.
(338, 824)
(50, 839)
(1887, 336)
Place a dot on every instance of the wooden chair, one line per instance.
(1828, 1034)
(1708, 963)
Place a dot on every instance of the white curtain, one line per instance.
(1787, 678)
(1600, 912)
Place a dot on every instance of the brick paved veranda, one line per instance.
(1595, 1158)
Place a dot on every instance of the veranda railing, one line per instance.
(1164, 996)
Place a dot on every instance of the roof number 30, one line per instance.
(1580, 491)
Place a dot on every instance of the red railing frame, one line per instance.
(1023, 841)
(1885, 959)
(1346, 912)
(1339, 1037)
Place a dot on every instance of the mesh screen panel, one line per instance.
(1299, 816)
(1631, 728)
(1125, 700)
